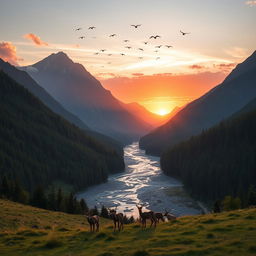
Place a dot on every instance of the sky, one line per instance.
(221, 34)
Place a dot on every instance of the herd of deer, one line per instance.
(118, 219)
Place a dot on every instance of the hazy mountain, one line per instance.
(24, 79)
(40, 147)
(219, 103)
(220, 161)
(82, 94)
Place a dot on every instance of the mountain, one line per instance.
(219, 103)
(24, 79)
(153, 119)
(40, 147)
(220, 161)
(79, 92)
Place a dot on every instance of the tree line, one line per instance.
(219, 162)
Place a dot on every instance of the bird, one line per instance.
(158, 46)
(184, 33)
(96, 53)
(112, 35)
(158, 58)
(103, 50)
(122, 54)
(155, 37)
(126, 41)
(110, 54)
(156, 51)
(145, 42)
(169, 46)
(128, 47)
(81, 37)
(136, 26)
(92, 27)
(140, 58)
(77, 29)
(140, 49)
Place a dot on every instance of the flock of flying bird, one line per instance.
(127, 41)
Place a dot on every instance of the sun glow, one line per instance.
(162, 112)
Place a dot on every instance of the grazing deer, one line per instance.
(118, 219)
(159, 216)
(94, 221)
(146, 215)
(169, 216)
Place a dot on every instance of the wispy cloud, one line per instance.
(35, 39)
(251, 3)
(8, 53)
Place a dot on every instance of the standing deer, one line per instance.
(118, 219)
(159, 216)
(94, 221)
(169, 216)
(146, 215)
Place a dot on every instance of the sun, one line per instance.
(162, 112)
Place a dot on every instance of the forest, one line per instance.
(39, 147)
(219, 162)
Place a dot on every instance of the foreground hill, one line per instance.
(219, 103)
(28, 231)
(40, 147)
(220, 161)
(82, 94)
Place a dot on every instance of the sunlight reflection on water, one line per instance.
(142, 183)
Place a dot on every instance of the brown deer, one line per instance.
(146, 215)
(118, 219)
(159, 216)
(169, 216)
(94, 221)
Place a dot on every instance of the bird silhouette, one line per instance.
(122, 54)
(136, 26)
(112, 35)
(96, 53)
(77, 29)
(140, 58)
(140, 49)
(184, 33)
(110, 54)
(81, 37)
(92, 27)
(128, 47)
(158, 58)
(103, 50)
(169, 46)
(155, 37)
(126, 41)
(145, 42)
(156, 51)
(158, 46)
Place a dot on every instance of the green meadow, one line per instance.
(26, 230)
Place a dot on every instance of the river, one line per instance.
(142, 183)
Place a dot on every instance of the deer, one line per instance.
(169, 216)
(94, 221)
(118, 219)
(159, 216)
(146, 215)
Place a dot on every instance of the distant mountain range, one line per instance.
(39, 147)
(219, 103)
(82, 94)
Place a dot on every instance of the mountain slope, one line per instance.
(220, 161)
(24, 79)
(40, 147)
(79, 92)
(26, 230)
(219, 103)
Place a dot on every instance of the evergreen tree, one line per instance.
(252, 196)
(217, 206)
(39, 198)
(51, 200)
(84, 207)
(71, 207)
(104, 212)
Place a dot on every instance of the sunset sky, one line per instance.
(222, 34)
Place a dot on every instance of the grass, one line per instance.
(28, 231)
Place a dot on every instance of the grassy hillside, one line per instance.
(25, 230)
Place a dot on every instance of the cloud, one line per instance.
(138, 74)
(196, 66)
(237, 52)
(35, 39)
(250, 3)
(225, 67)
(8, 53)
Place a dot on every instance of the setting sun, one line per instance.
(162, 112)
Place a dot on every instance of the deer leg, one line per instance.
(97, 227)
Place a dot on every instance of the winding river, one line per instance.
(142, 183)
